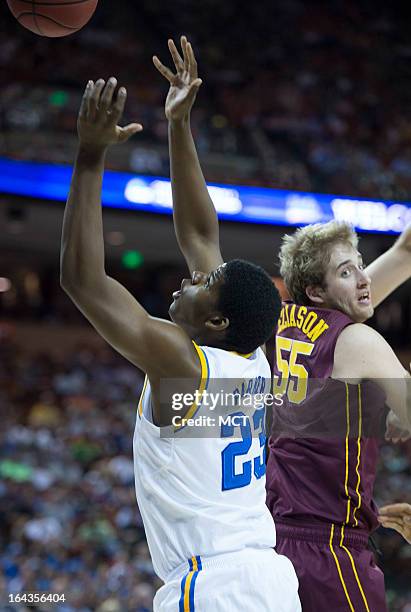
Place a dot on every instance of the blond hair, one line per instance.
(305, 255)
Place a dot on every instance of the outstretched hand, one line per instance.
(184, 84)
(100, 112)
(398, 517)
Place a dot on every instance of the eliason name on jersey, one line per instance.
(299, 316)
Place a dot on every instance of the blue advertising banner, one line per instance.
(233, 202)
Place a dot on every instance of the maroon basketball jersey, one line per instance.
(325, 435)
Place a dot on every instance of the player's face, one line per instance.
(347, 285)
(195, 303)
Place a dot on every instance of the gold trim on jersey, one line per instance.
(186, 603)
(354, 569)
(357, 465)
(337, 563)
(205, 375)
(357, 488)
(347, 411)
(140, 403)
(245, 355)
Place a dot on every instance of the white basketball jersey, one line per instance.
(206, 495)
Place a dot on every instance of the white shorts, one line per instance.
(247, 581)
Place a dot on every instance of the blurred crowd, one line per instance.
(69, 521)
(33, 293)
(296, 95)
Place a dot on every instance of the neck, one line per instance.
(211, 340)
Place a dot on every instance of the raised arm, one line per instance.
(158, 347)
(195, 218)
(391, 269)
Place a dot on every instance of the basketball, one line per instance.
(53, 18)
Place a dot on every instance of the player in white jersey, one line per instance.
(202, 495)
(202, 498)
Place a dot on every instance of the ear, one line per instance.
(217, 323)
(316, 294)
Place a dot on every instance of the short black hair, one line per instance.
(250, 300)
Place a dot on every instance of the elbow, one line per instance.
(80, 288)
(72, 278)
(66, 283)
(79, 277)
(69, 280)
(64, 276)
(77, 294)
(66, 271)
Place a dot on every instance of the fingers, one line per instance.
(118, 107)
(97, 102)
(399, 509)
(392, 524)
(101, 107)
(129, 130)
(196, 277)
(192, 93)
(192, 64)
(183, 42)
(166, 72)
(107, 95)
(124, 133)
(84, 107)
(186, 66)
(396, 434)
(95, 99)
(178, 62)
(196, 84)
(398, 517)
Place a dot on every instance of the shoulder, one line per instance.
(361, 352)
(170, 351)
(359, 338)
(229, 364)
(356, 334)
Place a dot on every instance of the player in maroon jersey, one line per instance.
(320, 475)
(338, 379)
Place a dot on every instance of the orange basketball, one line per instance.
(53, 17)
